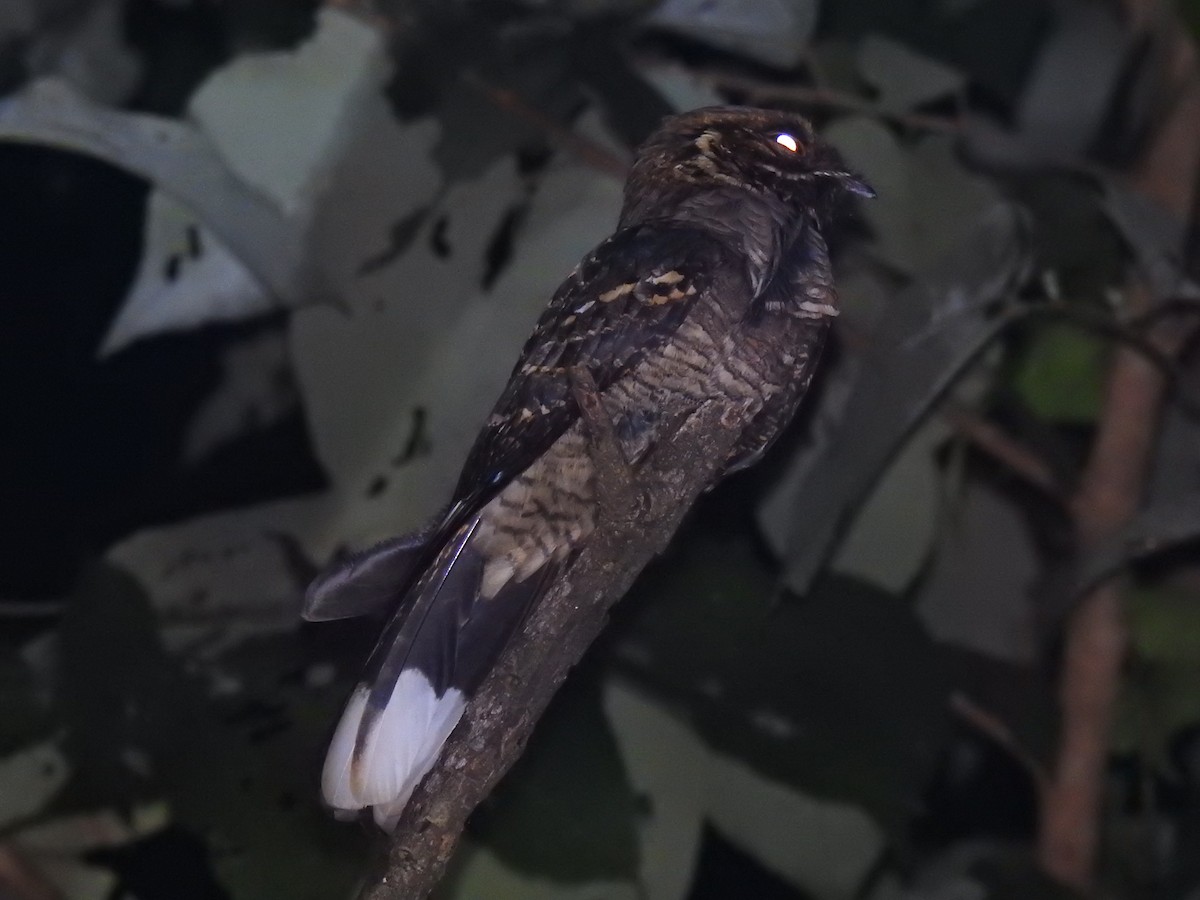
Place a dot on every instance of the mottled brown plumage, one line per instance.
(716, 283)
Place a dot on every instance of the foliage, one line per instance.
(351, 221)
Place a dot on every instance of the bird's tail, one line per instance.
(430, 659)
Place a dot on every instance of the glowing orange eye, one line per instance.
(788, 141)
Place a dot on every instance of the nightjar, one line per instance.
(716, 283)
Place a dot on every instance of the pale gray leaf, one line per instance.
(978, 593)
(179, 159)
(889, 539)
(1071, 85)
(187, 276)
(91, 53)
(315, 100)
(1067, 95)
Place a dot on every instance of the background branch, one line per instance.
(1109, 495)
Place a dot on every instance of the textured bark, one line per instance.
(639, 512)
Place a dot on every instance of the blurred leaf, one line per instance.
(826, 848)
(890, 537)
(476, 873)
(421, 336)
(1156, 237)
(1161, 693)
(1166, 523)
(21, 711)
(29, 779)
(239, 769)
(1189, 11)
(1157, 702)
(927, 335)
(978, 592)
(1165, 625)
(1062, 373)
(774, 33)
(926, 201)
(316, 98)
(256, 390)
(680, 87)
(838, 695)
(1017, 876)
(1070, 88)
(904, 78)
(187, 277)
(566, 811)
(88, 50)
(1066, 96)
(180, 159)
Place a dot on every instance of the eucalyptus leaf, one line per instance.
(812, 694)
(904, 78)
(181, 160)
(240, 769)
(774, 33)
(1066, 95)
(928, 334)
(890, 538)
(187, 277)
(256, 390)
(978, 593)
(1156, 237)
(1166, 523)
(29, 779)
(89, 50)
(926, 198)
(820, 846)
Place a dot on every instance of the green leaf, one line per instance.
(1061, 374)
(1189, 11)
(1165, 625)
(566, 811)
(1161, 692)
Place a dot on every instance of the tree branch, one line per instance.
(1110, 493)
(636, 524)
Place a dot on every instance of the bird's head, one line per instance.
(773, 154)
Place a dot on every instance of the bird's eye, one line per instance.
(787, 141)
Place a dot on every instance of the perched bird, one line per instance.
(716, 284)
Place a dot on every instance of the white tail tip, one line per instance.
(398, 751)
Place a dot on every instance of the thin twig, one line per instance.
(590, 152)
(1004, 448)
(1109, 495)
(767, 92)
(994, 728)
